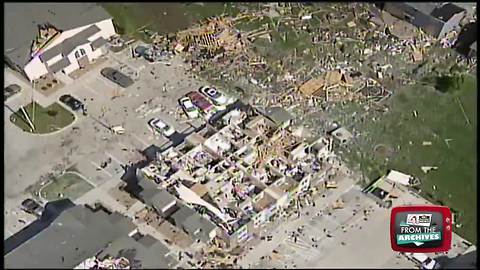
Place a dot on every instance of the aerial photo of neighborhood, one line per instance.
(236, 135)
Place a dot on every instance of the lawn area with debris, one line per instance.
(163, 18)
(428, 133)
(346, 63)
(69, 185)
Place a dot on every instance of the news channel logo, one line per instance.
(421, 229)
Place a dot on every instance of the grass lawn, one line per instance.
(130, 17)
(70, 185)
(446, 120)
(49, 119)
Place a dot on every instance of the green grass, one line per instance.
(70, 185)
(47, 120)
(440, 117)
(129, 17)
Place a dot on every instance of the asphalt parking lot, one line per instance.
(88, 142)
(341, 239)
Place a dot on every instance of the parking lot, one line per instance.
(341, 239)
(339, 234)
(88, 142)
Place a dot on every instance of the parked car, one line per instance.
(11, 90)
(214, 95)
(71, 102)
(117, 77)
(161, 127)
(32, 207)
(187, 105)
(202, 103)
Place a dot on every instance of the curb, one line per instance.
(51, 133)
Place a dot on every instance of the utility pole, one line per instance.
(33, 103)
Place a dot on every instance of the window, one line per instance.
(80, 53)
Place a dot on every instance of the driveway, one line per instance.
(88, 143)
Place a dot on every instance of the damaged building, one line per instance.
(233, 178)
(436, 19)
(54, 38)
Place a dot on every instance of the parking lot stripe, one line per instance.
(114, 158)
(105, 171)
(89, 181)
(91, 89)
(140, 140)
(298, 245)
(123, 146)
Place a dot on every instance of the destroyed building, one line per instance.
(342, 135)
(278, 115)
(192, 223)
(159, 199)
(436, 19)
(390, 186)
(76, 233)
(232, 178)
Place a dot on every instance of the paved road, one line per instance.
(279, 235)
(88, 143)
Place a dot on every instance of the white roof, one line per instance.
(187, 102)
(190, 196)
(421, 257)
(159, 123)
(399, 177)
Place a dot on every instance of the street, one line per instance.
(88, 142)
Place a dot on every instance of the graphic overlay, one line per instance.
(421, 229)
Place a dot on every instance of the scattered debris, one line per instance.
(426, 169)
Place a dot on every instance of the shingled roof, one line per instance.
(22, 20)
(74, 235)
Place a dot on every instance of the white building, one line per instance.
(47, 38)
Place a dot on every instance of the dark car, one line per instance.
(11, 90)
(71, 102)
(117, 77)
(32, 207)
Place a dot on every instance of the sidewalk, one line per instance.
(25, 95)
(279, 235)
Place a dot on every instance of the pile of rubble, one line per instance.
(362, 56)
(107, 263)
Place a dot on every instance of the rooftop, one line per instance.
(277, 114)
(76, 234)
(22, 20)
(440, 10)
(147, 252)
(69, 44)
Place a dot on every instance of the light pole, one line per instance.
(33, 104)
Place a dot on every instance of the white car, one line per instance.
(161, 127)
(214, 95)
(187, 105)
